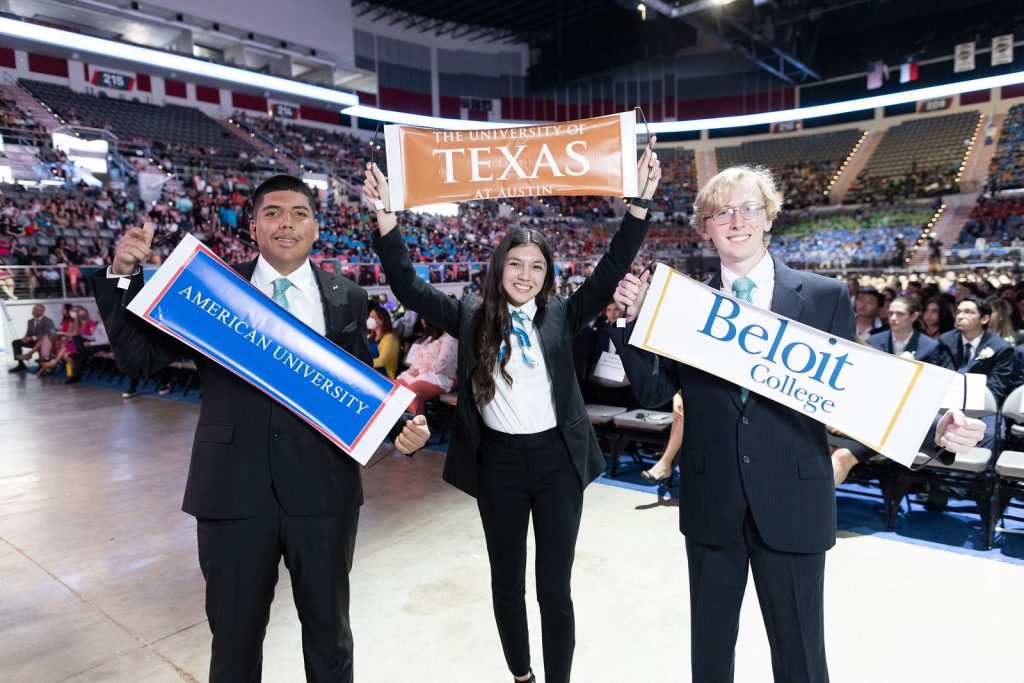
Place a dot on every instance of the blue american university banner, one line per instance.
(884, 401)
(202, 301)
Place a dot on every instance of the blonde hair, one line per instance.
(717, 190)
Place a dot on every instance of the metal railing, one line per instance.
(45, 281)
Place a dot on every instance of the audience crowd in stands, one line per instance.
(1006, 170)
(992, 230)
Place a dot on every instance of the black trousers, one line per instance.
(790, 590)
(19, 347)
(239, 559)
(522, 475)
(83, 353)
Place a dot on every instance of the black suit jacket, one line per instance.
(998, 368)
(245, 442)
(557, 323)
(924, 348)
(759, 456)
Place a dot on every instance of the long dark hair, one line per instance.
(947, 321)
(495, 320)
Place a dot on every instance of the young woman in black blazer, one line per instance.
(522, 443)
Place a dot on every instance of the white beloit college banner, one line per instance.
(883, 401)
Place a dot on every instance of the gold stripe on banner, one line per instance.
(902, 403)
(657, 310)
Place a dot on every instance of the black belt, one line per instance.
(544, 438)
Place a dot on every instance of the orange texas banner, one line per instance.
(586, 157)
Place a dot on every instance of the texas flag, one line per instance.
(908, 71)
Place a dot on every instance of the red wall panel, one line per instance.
(45, 64)
(173, 88)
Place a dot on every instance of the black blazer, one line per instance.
(759, 456)
(924, 348)
(998, 368)
(245, 442)
(557, 323)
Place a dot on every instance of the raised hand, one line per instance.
(133, 249)
(958, 433)
(414, 434)
(377, 193)
(648, 170)
(630, 293)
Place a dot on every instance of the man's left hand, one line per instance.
(414, 434)
(958, 433)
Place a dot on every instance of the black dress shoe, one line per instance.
(531, 679)
(20, 367)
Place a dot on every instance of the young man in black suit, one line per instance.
(756, 489)
(263, 484)
(978, 351)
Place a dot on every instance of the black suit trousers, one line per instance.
(520, 475)
(239, 559)
(790, 589)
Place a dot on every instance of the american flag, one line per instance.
(876, 74)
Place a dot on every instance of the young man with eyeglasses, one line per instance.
(756, 489)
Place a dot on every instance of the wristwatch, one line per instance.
(642, 202)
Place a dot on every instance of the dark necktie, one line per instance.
(967, 358)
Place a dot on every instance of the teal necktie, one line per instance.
(517, 329)
(281, 286)
(743, 286)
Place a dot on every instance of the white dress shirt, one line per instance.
(528, 405)
(763, 275)
(303, 296)
(898, 347)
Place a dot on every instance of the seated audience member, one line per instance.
(405, 326)
(866, 307)
(37, 338)
(599, 388)
(87, 344)
(976, 350)
(1001, 320)
(78, 322)
(903, 338)
(7, 282)
(432, 364)
(663, 468)
(937, 318)
(382, 336)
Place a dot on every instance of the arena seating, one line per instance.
(184, 134)
(804, 164)
(1007, 167)
(868, 238)
(919, 158)
(992, 231)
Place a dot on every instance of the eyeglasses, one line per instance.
(725, 215)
